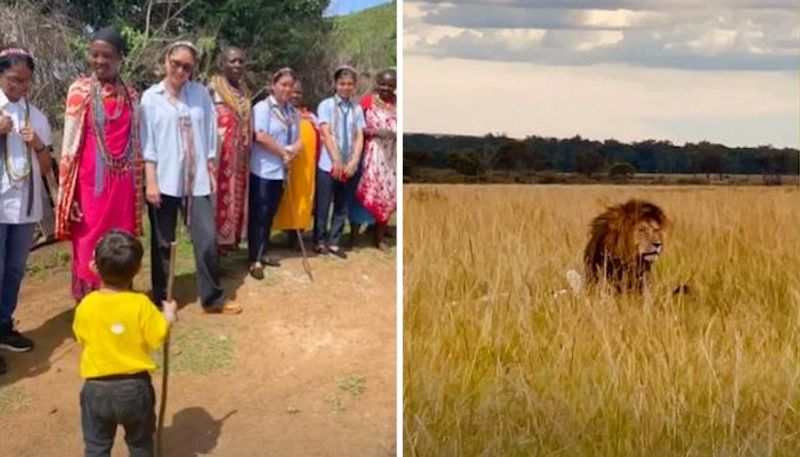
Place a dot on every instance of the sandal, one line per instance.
(270, 262)
(338, 252)
(257, 272)
(229, 307)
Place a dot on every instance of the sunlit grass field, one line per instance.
(495, 365)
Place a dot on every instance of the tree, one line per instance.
(621, 171)
(588, 157)
(588, 163)
(471, 162)
(274, 34)
(510, 156)
(710, 162)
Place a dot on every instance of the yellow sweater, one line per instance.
(118, 330)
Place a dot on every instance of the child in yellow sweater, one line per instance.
(118, 329)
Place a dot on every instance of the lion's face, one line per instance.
(624, 240)
(648, 240)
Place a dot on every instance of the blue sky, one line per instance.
(681, 70)
(339, 7)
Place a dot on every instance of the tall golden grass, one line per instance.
(495, 365)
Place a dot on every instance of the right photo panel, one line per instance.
(601, 225)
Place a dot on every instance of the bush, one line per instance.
(621, 172)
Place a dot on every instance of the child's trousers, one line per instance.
(128, 401)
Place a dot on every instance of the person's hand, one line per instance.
(337, 163)
(6, 124)
(287, 155)
(170, 310)
(212, 177)
(75, 213)
(31, 138)
(213, 182)
(351, 168)
(338, 171)
(153, 195)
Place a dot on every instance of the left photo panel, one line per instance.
(198, 228)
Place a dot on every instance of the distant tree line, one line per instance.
(473, 156)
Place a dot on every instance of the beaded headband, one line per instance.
(14, 52)
(184, 43)
(344, 67)
(283, 71)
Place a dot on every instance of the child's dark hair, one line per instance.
(118, 256)
(345, 71)
(13, 55)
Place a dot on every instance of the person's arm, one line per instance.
(149, 154)
(6, 124)
(213, 143)
(366, 104)
(41, 150)
(155, 324)
(77, 325)
(358, 144)
(325, 115)
(262, 119)
(38, 137)
(330, 145)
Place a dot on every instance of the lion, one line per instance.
(624, 242)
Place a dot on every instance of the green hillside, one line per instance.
(368, 39)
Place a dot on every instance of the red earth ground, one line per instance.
(310, 368)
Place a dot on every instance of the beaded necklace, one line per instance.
(97, 116)
(287, 120)
(14, 178)
(239, 102)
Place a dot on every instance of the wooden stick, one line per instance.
(306, 263)
(173, 248)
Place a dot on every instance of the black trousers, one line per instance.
(329, 190)
(264, 198)
(126, 402)
(202, 230)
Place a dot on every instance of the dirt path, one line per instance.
(307, 369)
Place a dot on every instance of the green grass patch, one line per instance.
(40, 265)
(335, 402)
(198, 351)
(353, 384)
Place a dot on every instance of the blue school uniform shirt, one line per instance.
(326, 113)
(162, 142)
(267, 118)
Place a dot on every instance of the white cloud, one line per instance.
(724, 35)
(620, 19)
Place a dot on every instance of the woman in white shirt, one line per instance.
(24, 155)
(277, 141)
(178, 131)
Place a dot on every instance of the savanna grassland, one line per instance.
(496, 365)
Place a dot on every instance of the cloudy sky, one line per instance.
(681, 70)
